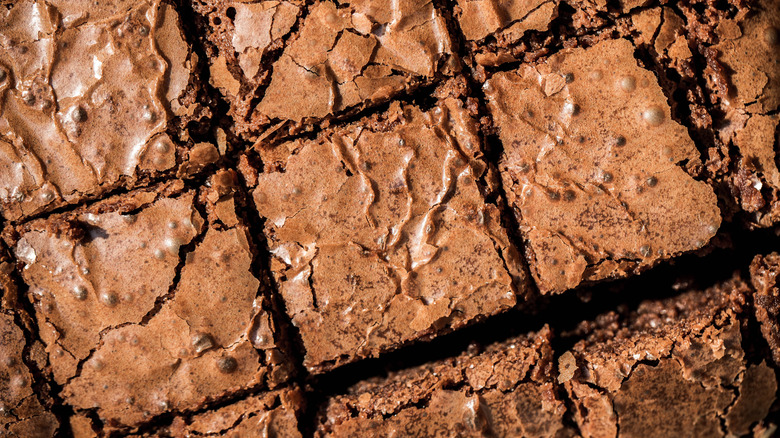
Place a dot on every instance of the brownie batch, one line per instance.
(247, 218)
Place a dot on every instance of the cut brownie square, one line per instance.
(741, 47)
(673, 367)
(342, 57)
(595, 168)
(148, 304)
(92, 98)
(506, 390)
(763, 274)
(381, 233)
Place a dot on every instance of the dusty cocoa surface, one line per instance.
(284, 218)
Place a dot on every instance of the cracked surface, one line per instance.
(481, 18)
(494, 29)
(595, 168)
(505, 390)
(672, 367)
(146, 278)
(241, 39)
(172, 264)
(87, 98)
(743, 78)
(273, 414)
(347, 57)
(763, 275)
(380, 234)
(21, 411)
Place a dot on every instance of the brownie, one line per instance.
(494, 31)
(93, 99)
(381, 232)
(340, 58)
(763, 275)
(505, 390)
(25, 399)
(594, 167)
(673, 367)
(22, 413)
(741, 51)
(272, 414)
(506, 31)
(162, 278)
(241, 40)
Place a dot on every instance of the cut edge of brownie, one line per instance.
(470, 393)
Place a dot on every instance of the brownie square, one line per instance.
(340, 58)
(674, 367)
(596, 170)
(148, 302)
(741, 51)
(505, 390)
(92, 100)
(763, 275)
(381, 232)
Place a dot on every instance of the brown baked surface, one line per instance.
(288, 218)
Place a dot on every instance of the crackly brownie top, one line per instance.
(240, 39)
(145, 278)
(481, 18)
(593, 166)
(21, 411)
(505, 390)
(272, 414)
(380, 233)
(674, 366)
(86, 95)
(748, 46)
(764, 271)
(345, 56)
(743, 75)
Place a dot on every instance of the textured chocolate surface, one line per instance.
(273, 414)
(763, 274)
(380, 233)
(21, 412)
(278, 217)
(743, 78)
(241, 39)
(594, 166)
(87, 99)
(146, 278)
(342, 57)
(481, 18)
(506, 390)
(674, 367)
